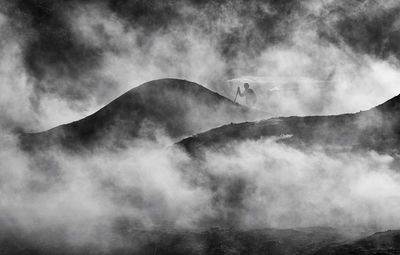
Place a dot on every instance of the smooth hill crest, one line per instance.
(177, 107)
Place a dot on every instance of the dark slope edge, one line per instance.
(179, 107)
(379, 243)
(376, 129)
(303, 241)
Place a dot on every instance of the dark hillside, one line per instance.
(376, 129)
(178, 107)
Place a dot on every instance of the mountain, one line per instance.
(387, 242)
(177, 107)
(376, 129)
(213, 241)
(167, 242)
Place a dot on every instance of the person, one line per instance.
(251, 98)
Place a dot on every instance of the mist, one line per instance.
(107, 52)
(296, 56)
(150, 185)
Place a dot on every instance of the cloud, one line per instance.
(15, 98)
(63, 61)
(286, 187)
(246, 185)
(105, 48)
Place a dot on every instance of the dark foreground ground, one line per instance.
(213, 241)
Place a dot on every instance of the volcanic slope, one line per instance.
(303, 241)
(376, 129)
(379, 243)
(178, 107)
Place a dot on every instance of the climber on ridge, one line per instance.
(251, 98)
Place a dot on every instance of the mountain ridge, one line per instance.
(375, 129)
(178, 107)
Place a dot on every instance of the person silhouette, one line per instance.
(250, 95)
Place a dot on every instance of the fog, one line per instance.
(247, 185)
(296, 66)
(104, 52)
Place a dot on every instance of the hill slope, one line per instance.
(178, 107)
(376, 129)
(303, 241)
(379, 243)
(210, 241)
